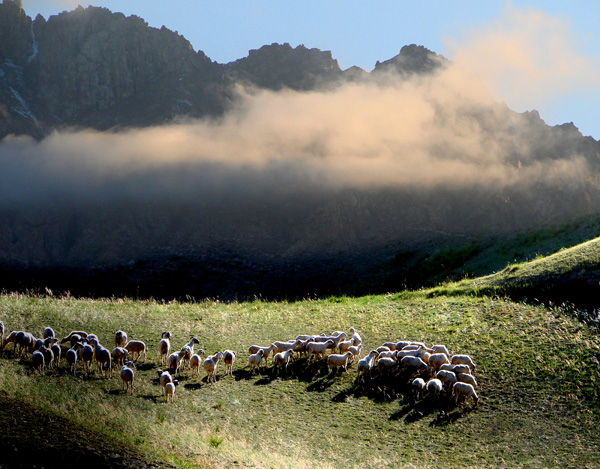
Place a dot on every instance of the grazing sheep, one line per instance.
(119, 355)
(75, 338)
(120, 338)
(195, 362)
(136, 346)
(281, 360)
(434, 388)
(447, 367)
(418, 388)
(27, 343)
(365, 365)
(355, 337)
(71, 357)
(48, 332)
(446, 377)
(81, 334)
(210, 366)
(339, 361)
(12, 338)
(228, 361)
(460, 390)
(253, 349)
(386, 365)
(164, 347)
(170, 392)
(383, 348)
(284, 346)
(413, 365)
(436, 360)
(301, 348)
(174, 362)
(164, 377)
(462, 369)
(318, 349)
(401, 344)
(355, 350)
(57, 351)
(48, 356)
(466, 378)
(2, 331)
(38, 360)
(390, 345)
(440, 349)
(463, 360)
(255, 360)
(38, 344)
(127, 375)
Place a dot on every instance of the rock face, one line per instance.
(412, 59)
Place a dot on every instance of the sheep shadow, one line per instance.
(193, 386)
(320, 385)
(145, 366)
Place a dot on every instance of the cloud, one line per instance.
(527, 58)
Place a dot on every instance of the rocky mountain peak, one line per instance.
(412, 59)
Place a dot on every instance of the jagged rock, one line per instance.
(412, 59)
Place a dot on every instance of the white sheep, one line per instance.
(71, 357)
(436, 360)
(355, 337)
(355, 350)
(447, 367)
(86, 356)
(119, 355)
(390, 345)
(210, 366)
(413, 365)
(120, 338)
(466, 378)
(57, 351)
(164, 347)
(127, 375)
(282, 359)
(460, 390)
(401, 344)
(12, 339)
(383, 348)
(446, 377)
(339, 361)
(2, 332)
(284, 346)
(80, 334)
(253, 349)
(195, 362)
(440, 349)
(170, 392)
(102, 357)
(388, 354)
(48, 332)
(228, 361)
(136, 346)
(164, 377)
(318, 349)
(48, 356)
(462, 369)
(365, 365)
(255, 359)
(345, 345)
(38, 360)
(174, 362)
(462, 360)
(386, 364)
(418, 388)
(434, 387)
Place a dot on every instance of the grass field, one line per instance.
(537, 369)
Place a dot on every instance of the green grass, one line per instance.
(537, 370)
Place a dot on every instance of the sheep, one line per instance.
(38, 360)
(81, 335)
(92, 337)
(195, 362)
(365, 365)
(318, 348)
(255, 359)
(127, 375)
(466, 378)
(119, 355)
(356, 338)
(339, 361)
(418, 388)
(2, 331)
(210, 366)
(436, 360)
(174, 362)
(48, 356)
(386, 364)
(462, 369)
(447, 367)
(164, 377)
(344, 346)
(228, 361)
(434, 387)
(413, 365)
(463, 360)
(136, 346)
(337, 339)
(305, 337)
(401, 344)
(300, 349)
(164, 346)
(170, 392)
(57, 351)
(460, 390)
(71, 357)
(446, 377)
(27, 343)
(74, 339)
(281, 360)
(355, 350)
(382, 349)
(48, 332)
(390, 345)
(38, 344)
(102, 356)
(440, 349)
(187, 351)
(12, 338)
(120, 338)
(284, 346)
(253, 349)
(86, 355)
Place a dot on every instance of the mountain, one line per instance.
(274, 230)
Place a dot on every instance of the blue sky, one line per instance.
(362, 32)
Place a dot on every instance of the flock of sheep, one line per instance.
(431, 371)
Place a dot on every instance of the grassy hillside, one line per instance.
(537, 369)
